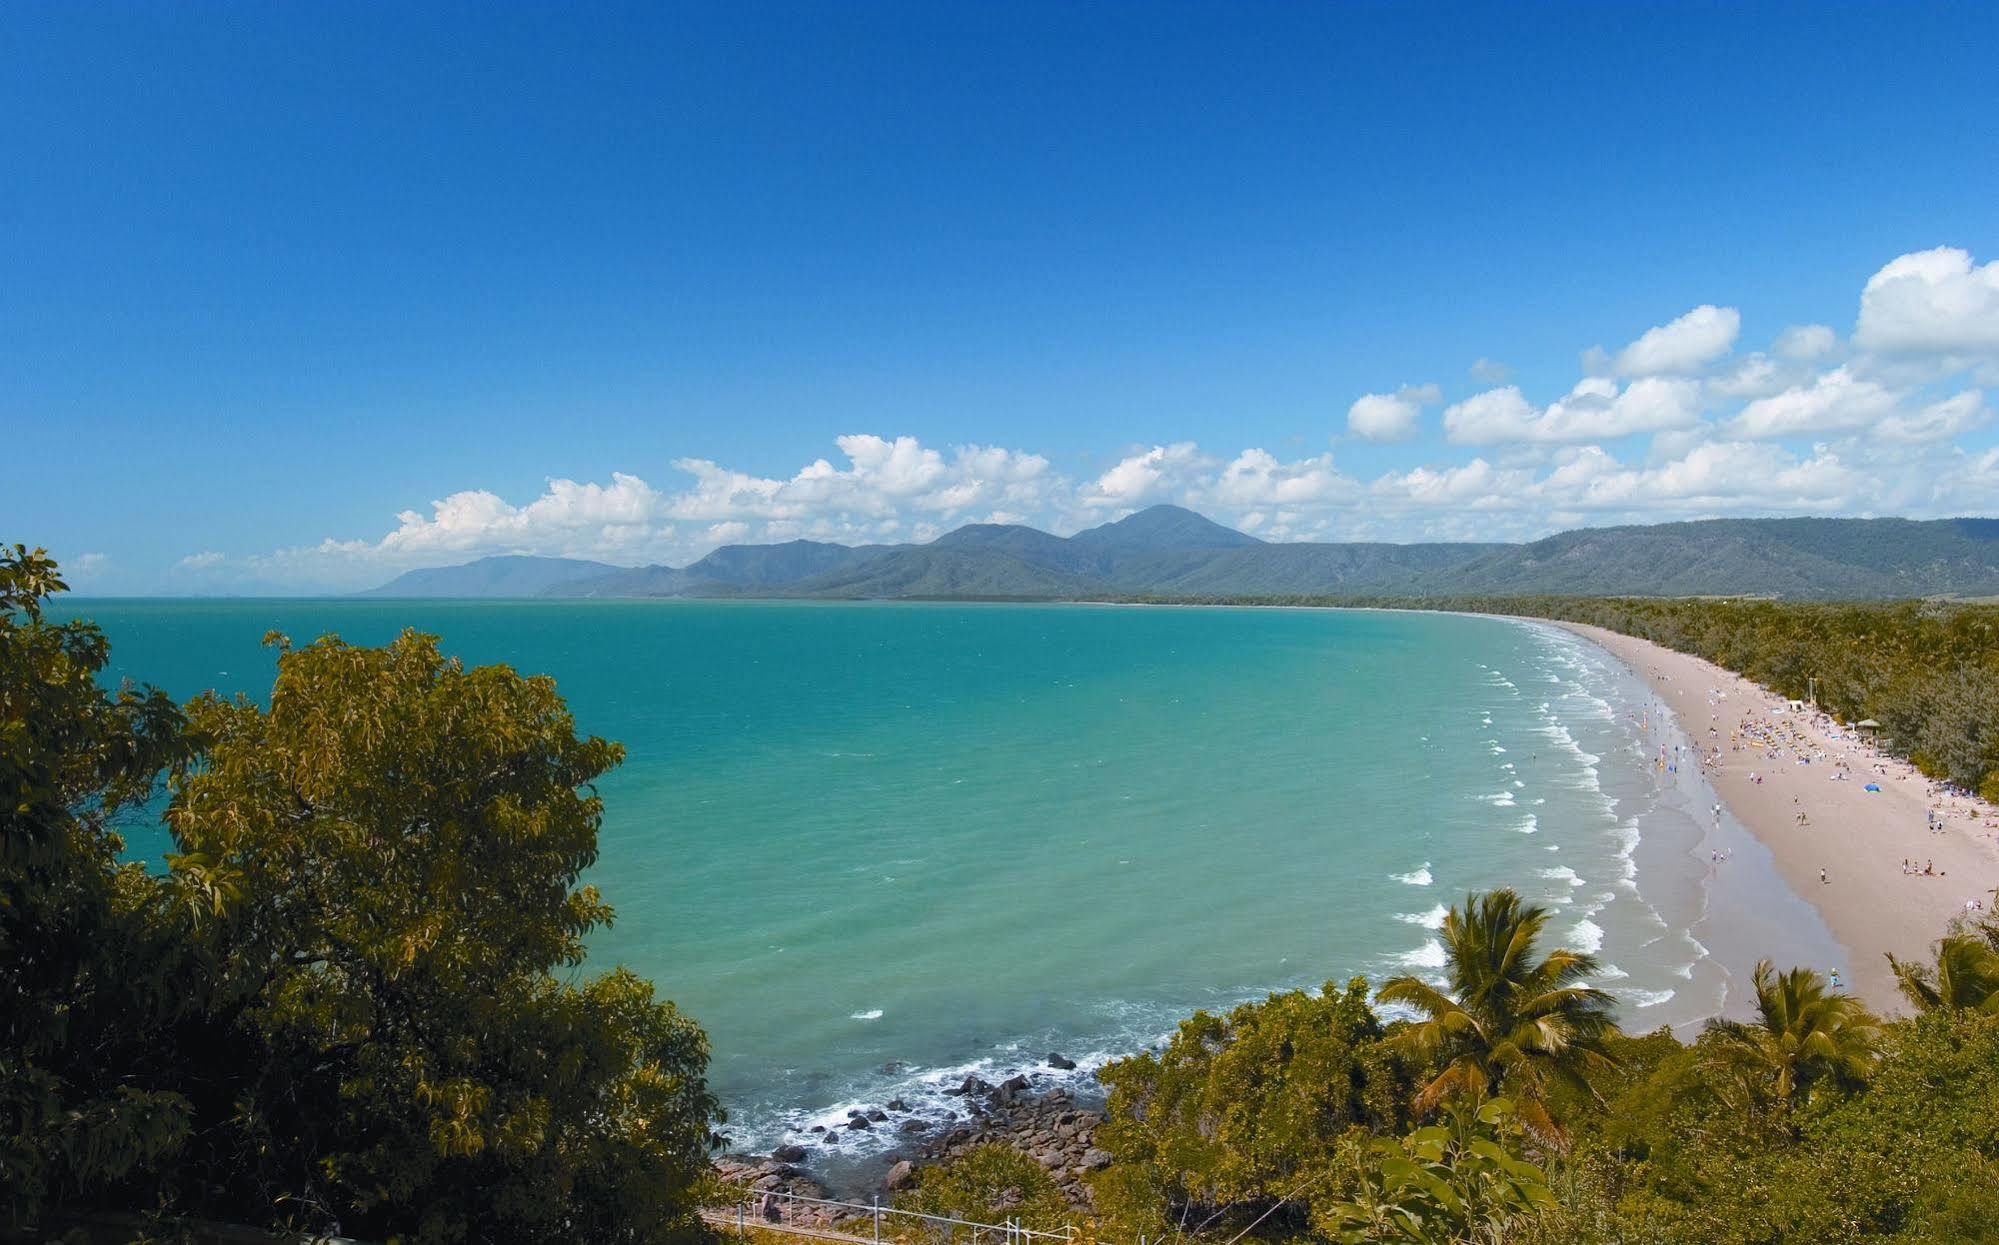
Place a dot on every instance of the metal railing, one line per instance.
(776, 1210)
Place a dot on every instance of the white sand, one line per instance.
(1859, 838)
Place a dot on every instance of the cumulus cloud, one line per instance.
(1256, 479)
(1836, 401)
(1805, 342)
(1682, 346)
(1146, 477)
(1933, 302)
(1491, 372)
(1596, 409)
(1939, 421)
(200, 561)
(1391, 416)
(1477, 483)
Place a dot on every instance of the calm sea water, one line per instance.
(874, 847)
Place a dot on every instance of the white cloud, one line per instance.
(1683, 346)
(1594, 410)
(569, 515)
(1713, 476)
(1932, 302)
(1145, 477)
(1804, 343)
(1257, 479)
(1502, 414)
(1490, 371)
(1754, 375)
(1477, 483)
(1939, 421)
(1391, 416)
(200, 561)
(1836, 401)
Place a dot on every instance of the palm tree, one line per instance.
(1509, 1021)
(1804, 1033)
(1965, 976)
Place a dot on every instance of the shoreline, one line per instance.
(1729, 920)
(1769, 766)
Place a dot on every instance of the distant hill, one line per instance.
(1162, 529)
(1168, 551)
(508, 576)
(1825, 558)
(730, 570)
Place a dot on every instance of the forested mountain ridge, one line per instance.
(1167, 551)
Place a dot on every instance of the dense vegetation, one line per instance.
(1512, 1110)
(338, 1009)
(1311, 1117)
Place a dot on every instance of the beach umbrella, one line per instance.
(1867, 724)
(1872, 786)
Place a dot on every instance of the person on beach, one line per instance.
(1822, 878)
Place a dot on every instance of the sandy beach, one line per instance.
(1898, 863)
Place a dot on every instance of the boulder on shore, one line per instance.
(788, 1154)
(899, 1176)
(1058, 1060)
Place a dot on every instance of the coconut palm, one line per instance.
(1965, 976)
(1510, 1020)
(1805, 1034)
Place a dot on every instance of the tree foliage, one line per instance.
(85, 967)
(1243, 1110)
(1805, 1035)
(1458, 1182)
(340, 1006)
(1962, 975)
(989, 1183)
(1509, 1021)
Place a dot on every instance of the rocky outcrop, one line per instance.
(1051, 1127)
(768, 1179)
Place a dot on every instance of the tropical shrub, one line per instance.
(1243, 1110)
(1462, 1180)
(989, 1183)
(1509, 1022)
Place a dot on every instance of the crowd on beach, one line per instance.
(1781, 737)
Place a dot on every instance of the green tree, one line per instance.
(386, 861)
(989, 1183)
(1805, 1034)
(87, 969)
(1510, 1022)
(1244, 1110)
(1964, 974)
(1459, 1181)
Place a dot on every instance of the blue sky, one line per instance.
(295, 297)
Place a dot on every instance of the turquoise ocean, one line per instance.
(874, 848)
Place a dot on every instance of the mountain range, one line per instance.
(1168, 551)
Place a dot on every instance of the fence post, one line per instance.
(877, 1200)
(742, 1204)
